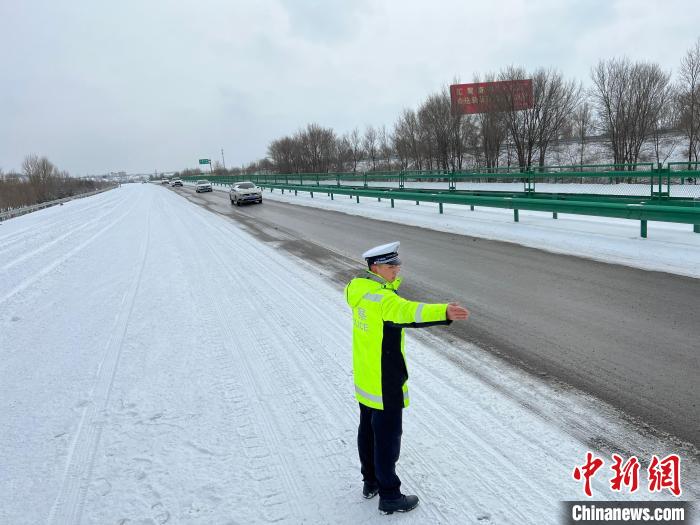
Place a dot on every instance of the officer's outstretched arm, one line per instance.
(410, 314)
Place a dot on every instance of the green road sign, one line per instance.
(205, 161)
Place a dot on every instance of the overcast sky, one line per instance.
(145, 85)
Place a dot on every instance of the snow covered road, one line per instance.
(159, 365)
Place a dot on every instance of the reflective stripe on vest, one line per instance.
(376, 399)
(374, 297)
(419, 313)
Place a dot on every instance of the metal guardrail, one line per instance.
(643, 191)
(641, 211)
(16, 212)
(632, 180)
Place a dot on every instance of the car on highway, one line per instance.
(245, 192)
(202, 185)
(165, 181)
(176, 182)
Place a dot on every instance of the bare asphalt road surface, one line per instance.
(630, 337)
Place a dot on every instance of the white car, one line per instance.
(202, 185)
(176, 182)
(245, 192)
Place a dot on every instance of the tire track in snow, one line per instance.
(258, 432)
(46, 245)
(69, 503)
(62, 259)
(69, 215)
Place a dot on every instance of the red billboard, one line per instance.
(504, 95)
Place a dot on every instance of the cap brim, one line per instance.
(394, 262)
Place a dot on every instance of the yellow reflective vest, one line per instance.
(379, 318)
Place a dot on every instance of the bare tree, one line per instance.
(434, 118)
(582, 126)
(407, 139)
(628, 98)
(688, 100)
(533, 129)
(386, 149)
(39, 182)
(401, 144)
(356, 148)
(493, 128)
(556, 99)
(282, 153)
(664, 137)
(344, 153)
(371, 146)
(522, 124)
(318, 146)
(41, 174)
(218, 168)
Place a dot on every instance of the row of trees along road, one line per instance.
(632, 107)
(40, 181)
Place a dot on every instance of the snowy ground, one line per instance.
(670, 247)
(159, 365)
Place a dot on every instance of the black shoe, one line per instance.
(402, 504)
(369, 491)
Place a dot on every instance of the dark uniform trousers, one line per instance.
(379, 445)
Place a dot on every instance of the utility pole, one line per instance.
(223, 160)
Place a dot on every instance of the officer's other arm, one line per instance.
(401, 312)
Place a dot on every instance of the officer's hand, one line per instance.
(456, 312)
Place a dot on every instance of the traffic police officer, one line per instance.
(379, 368)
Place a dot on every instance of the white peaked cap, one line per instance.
(384, 254)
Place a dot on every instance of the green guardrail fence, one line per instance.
(644, 191)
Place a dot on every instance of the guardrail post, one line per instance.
(472, 207)
(696, 228)
(379, 199)
(554, 215)
(644, 228)
(282, 191)
(364, 178)
(516, 216)
(331, 196)
(295, 193)
(417, 203)
(392, 205)
(358, 198)
(312, 194)
(441, 207)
